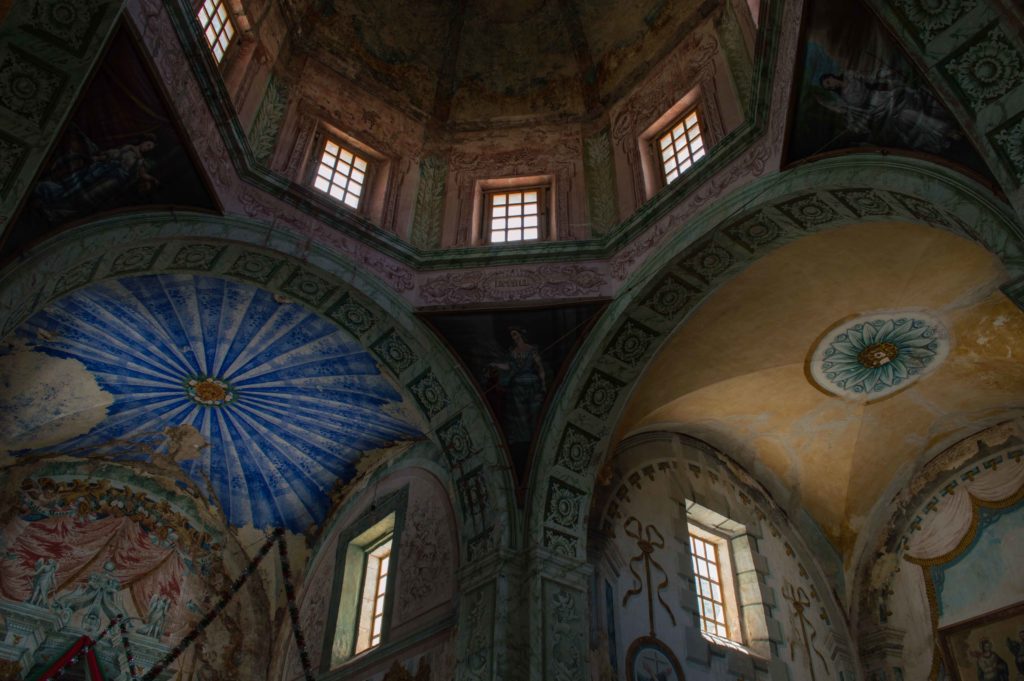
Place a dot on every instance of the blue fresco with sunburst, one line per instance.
(286, 401)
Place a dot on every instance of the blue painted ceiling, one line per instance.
(286, 400)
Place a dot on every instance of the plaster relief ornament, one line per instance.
(875, 355)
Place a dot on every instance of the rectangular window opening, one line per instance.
(217, 26)
(707, 574)
(375, 585)
(341, 173)
(515, 215)
(681, 146)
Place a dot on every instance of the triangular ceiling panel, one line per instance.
(517, 358)
(856, 89)
(121, 149)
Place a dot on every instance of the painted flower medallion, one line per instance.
(209, 392)
(875, 355)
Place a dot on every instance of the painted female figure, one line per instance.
(525, 383)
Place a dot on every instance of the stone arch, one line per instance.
(246, 251)
(705, 253)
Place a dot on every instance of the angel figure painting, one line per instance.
(856, 89)
(121, 148)
(516, 357)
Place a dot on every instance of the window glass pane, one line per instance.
(707, 580)
(506, 213)
(216, 25)
(344, 172)
(681, 146)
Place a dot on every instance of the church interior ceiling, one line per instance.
(748, 370)
(260, 404)
(802, 349)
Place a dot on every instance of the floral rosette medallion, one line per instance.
(209, 392)
(875, 355)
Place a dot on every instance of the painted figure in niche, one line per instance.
(991, 667)
(43, 581)
(523, 379)
(1017, 648)
(884, 106)
(856, 89)
(90, 178)
(99, 596)
(156, 616)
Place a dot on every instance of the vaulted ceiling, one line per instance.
(741, 371)
(470, 62)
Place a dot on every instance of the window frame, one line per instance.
(228, 20)
(359, 151)
(711, 527)
(726, 583)
(655, 142)
(543, 212)
(384, 520)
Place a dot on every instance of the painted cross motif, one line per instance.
(647, 539)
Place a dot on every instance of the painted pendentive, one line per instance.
(284, 401)
(875, 355)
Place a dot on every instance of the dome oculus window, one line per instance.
(681, 146)
(217, 27)
(341, 173)
(515, 215)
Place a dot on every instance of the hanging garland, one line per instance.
(293, 610)
(215, 611)
(128, 651)
(86, 646)
(83, 646)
